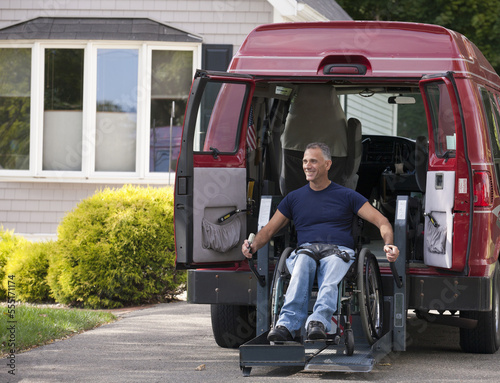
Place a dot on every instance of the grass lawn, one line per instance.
(26, 326)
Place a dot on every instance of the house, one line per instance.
(93, 93)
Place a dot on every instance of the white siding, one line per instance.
(38, 207)
(375, 114)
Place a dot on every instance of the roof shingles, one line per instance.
(71, 28)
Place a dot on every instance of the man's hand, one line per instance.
(246, 249)
(391, 252)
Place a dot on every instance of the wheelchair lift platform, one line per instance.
(318, 356)
(324, 356)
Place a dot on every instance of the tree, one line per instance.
(478, 20)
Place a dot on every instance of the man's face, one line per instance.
(315, 165)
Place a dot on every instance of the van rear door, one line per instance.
(211, 173)
(448, 187)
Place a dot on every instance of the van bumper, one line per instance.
(424, 293)
(449, 293)
(222, 287)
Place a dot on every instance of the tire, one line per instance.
(370, 296)
(279, 285)
(485, 338)
(233, 325)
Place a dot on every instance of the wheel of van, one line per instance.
(370, 296)
(485, 337)
(281, 277)
(233, 325)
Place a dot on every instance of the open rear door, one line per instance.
(211, 179)
(448, 177)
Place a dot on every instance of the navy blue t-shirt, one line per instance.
(323, 216)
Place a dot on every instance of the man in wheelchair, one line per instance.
(322, 212)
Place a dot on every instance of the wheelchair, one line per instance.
(360, 292)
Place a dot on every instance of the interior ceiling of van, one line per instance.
(269, 89)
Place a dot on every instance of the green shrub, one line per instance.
(8, 243)
(117, 248)
(29, 264)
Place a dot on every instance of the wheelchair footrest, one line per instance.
(332, 339)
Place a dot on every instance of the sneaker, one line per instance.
(316, 331)
(279, 334)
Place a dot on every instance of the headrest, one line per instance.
(316, 116)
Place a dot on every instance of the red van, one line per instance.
(408, 110)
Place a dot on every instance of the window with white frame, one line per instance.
(93, 110)
(62, 109)
(116, 110)
(15, 101)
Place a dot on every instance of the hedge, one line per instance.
(8, 243)
(28, 264)
(117, 248)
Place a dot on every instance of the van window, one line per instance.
(411, 122)
(442, 120)
(493, 118)
(220, 117)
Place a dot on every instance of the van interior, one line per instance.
(365, 157)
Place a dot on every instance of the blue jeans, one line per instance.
(331, 271)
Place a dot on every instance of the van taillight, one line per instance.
(482, 189)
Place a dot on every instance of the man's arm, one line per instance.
(372, 215)
(265, 234)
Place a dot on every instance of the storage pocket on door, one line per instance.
(221, 237)
(435, 232)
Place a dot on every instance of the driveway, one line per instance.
(173, 343)
(164, 343)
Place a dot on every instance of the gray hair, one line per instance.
(324, 149)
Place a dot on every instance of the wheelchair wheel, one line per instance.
(279, 285)
(371, 304)
(349, 342)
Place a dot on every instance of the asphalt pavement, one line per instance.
(173, 343)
